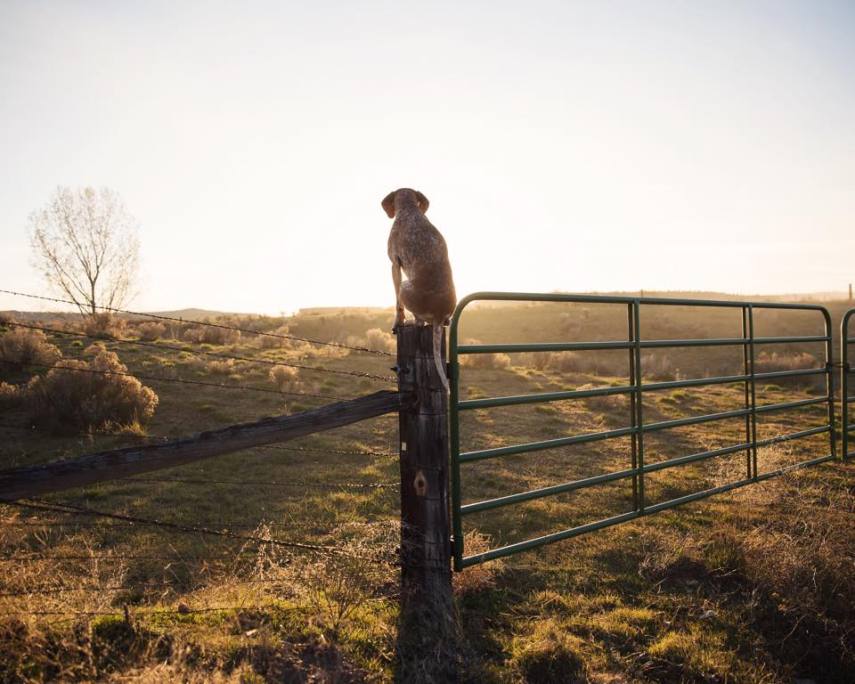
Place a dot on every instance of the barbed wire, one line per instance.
(180, 381)
(337, 452)
(208, 324)
(267, 483)
(29, 558)
(104, 613)
(303, 484)
(155, 439)
(215, 525)
(47, 589)
(56, 524)
(204, 352)
(187, 529)
(135, 611)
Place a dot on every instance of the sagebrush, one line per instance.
(89, 394)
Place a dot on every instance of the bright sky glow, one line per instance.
(574, 146)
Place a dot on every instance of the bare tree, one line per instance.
(85, 244)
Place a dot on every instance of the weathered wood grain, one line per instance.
(18, 483)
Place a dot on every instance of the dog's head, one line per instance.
(403, 197)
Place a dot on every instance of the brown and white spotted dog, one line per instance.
(418, 250)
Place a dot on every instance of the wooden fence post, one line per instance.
(428, 626)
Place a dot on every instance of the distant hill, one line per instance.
(197, 314)
(192, 314)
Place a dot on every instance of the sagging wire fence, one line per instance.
(258, 535)
(183, 528)
(201, 352)
(178, 381)
(208, 324)
(177, 587)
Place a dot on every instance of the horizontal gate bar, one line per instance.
(540, 347)
(766, 408)
(793, 435)
(726, 379)
(618, 299)
(511, 549)
(488, 504)
(620, 344)
(527, 447)
(623, 474)
(542, 397)
(546, 444)
(693, 458)
(695, 420)
(545, 491)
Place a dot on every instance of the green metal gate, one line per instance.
(637, 428)
(846, 370)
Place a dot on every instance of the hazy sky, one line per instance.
(575, 146)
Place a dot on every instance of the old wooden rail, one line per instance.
(19, 483)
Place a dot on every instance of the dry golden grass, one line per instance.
(750, 586)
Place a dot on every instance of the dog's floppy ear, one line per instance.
(422, 201)
(388, 204)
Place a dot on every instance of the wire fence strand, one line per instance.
(180, 381)
(138, 612)
(155, 439)
(203, 352)
(184, 528)
(208, 324)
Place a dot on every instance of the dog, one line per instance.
(417, 249)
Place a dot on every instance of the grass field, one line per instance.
(755, 585)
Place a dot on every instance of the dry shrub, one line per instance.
(573, 362)
(476, 577)
(605, 404)
(769, 363)
(20, 347)
(103, 324)
(566, 362)
(657, 367)
(309, 351)
(379, 340)
(778, 361)
(537, 360)
(485, 361)
(220, 367)
(151, 330)
(68, 398)
(204, 334)
(285, 377)
(270, 342)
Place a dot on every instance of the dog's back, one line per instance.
(420, 250)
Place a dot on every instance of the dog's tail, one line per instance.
(437, 356)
